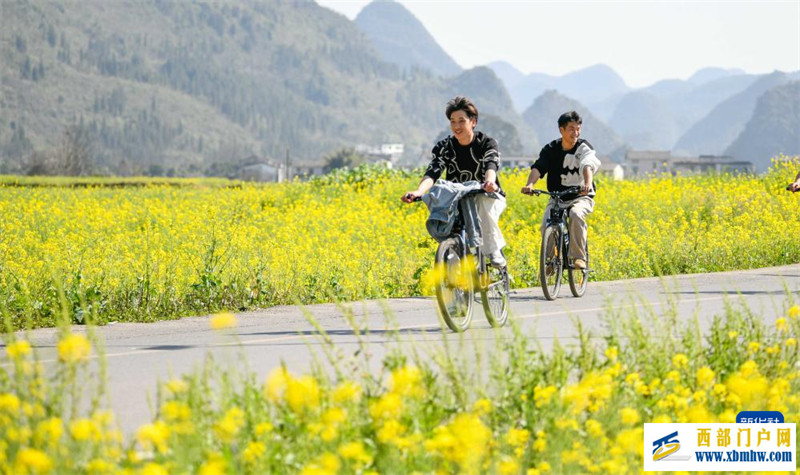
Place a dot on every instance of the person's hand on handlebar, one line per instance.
(585, 188)
(489, 186)
(794, 187)
(528, 190)
(410, 196)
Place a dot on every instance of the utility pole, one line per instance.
(288, 164)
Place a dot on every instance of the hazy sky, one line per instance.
(643, 41)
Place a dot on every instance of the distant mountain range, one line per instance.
(188, 88)
(772, 128)
(543, 114)
(723, 124)
(586, 85)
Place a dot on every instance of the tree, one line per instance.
(74, 156)
(346, 157)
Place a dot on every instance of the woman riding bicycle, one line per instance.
(567, 162)
(469, 155)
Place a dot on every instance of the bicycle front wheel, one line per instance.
(550, 262)
(455, 286)
(579, 278)
(494, 295)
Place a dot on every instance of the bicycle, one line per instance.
(463, 270)
(555, 249)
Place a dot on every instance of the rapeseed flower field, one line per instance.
(149, 250)
(568, 411)
(95, 253)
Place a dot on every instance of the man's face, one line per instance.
(570, 134)
(462, 126)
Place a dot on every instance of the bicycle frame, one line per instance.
(557, 226)
(559, 217)
(481, 277)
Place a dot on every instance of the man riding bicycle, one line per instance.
(468, 155)
(794, 186)
(567, 162)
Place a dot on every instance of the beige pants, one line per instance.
(489, 210)
(579, 208)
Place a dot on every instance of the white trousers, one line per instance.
(489, 211)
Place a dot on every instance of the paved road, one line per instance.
(139, 355)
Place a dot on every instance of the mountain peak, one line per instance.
(400, 38)
(709, 74)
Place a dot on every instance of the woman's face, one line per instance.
(462, 127)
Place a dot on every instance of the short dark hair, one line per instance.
(461, 103)
(568, 117)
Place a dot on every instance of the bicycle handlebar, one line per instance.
(469, 193)
(572, 190)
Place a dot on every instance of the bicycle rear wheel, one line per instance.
(494, 295)
(579, 278)
(550, 262)
(455, 286)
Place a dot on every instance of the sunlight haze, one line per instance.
(644, 42)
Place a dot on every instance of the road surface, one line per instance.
(140, 355)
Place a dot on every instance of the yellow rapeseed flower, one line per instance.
(346, 392)
(517, 437)
(391, 431)
(222, 321)
(152, 468)
(215, 465)
(84, 429)
(794, 312)
(33, 461)
(482, 406)
(176, 386)
(228, 426)
(705, 376)
(790, 342)
(18, 349)
(276, 384)
(49, 431)
(542, 395)
(356, 452)
(464, 441)
(263, 428)
(176, 411)
(612, 353)
(748, 368)
(99, 467)
(388, 406)
(407, 381)
(74, 348)
(753, 347)
(254, 451)
(508, 466)
(325, 464)
(680, 360)
(594, 428)
(629, 415)
(9, 403)
(154, 435)
(302, 393)
(673, 376)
